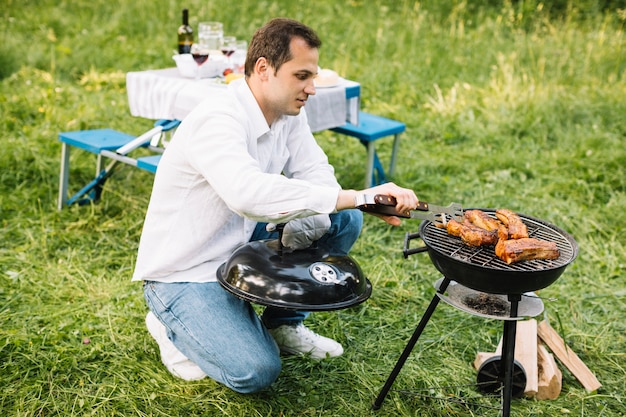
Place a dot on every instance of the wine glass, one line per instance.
(239, 57)
(229, 46)
(200, 54)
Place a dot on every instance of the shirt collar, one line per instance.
(246, 98)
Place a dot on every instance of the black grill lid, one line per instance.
(263, 272)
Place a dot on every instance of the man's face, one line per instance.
(289, 88)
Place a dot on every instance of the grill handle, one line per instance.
(407, 239)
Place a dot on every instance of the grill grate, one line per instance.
(439, 240)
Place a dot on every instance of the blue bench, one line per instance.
(369, 129)
(110, 144)
(149, 163)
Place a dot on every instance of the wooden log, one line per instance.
(567, 357)
(550, 376)
(526, 354)
(481, 357)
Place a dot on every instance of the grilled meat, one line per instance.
(516, 227)
(525, 249)
(483, 220)
(454, 228)
(508, 233)
(471, 234)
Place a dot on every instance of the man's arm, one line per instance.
(406, 198)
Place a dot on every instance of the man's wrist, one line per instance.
(347, 199)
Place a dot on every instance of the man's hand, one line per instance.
(405, 198)
(301, 233)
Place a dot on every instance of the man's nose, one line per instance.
(310, 87)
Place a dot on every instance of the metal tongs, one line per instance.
(384, 204)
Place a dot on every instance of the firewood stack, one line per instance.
(543, 377)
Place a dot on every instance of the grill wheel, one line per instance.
(490, 379)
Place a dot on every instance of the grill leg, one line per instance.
(410, 345)
(508, 358)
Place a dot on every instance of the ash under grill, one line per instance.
(438, 239)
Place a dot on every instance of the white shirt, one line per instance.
(224, 170)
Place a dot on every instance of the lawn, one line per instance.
(507, 104)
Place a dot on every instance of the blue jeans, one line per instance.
(221, 333)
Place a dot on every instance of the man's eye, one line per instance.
(302, 77)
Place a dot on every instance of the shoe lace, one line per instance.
(307, 334)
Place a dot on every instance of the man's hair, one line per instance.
(272, 42)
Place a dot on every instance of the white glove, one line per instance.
(300, 233)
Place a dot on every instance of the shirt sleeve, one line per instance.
(225, 150)
(307, 160)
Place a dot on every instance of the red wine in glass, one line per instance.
(200, 54)
(228, 52)
(228, 47)
(200, 57)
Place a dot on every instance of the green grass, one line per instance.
(511, 104)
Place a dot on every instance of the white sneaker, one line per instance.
(173, 359)
(300, 340)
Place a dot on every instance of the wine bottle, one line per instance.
(185, 35)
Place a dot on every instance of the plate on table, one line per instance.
(326, 78)
(327, 86)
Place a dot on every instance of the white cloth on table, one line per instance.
(165, 94)
(327, 108)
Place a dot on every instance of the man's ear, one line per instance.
(262, 68)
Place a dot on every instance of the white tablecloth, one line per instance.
(165, 94)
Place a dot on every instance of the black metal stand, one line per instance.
(508, 350)
(508, 357)
(409, 347)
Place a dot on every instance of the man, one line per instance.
(245, 157)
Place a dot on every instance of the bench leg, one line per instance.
(375, 173)
(396, 145)
(64, 175)
(379, 172)
(369, 169)
(99, 164)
